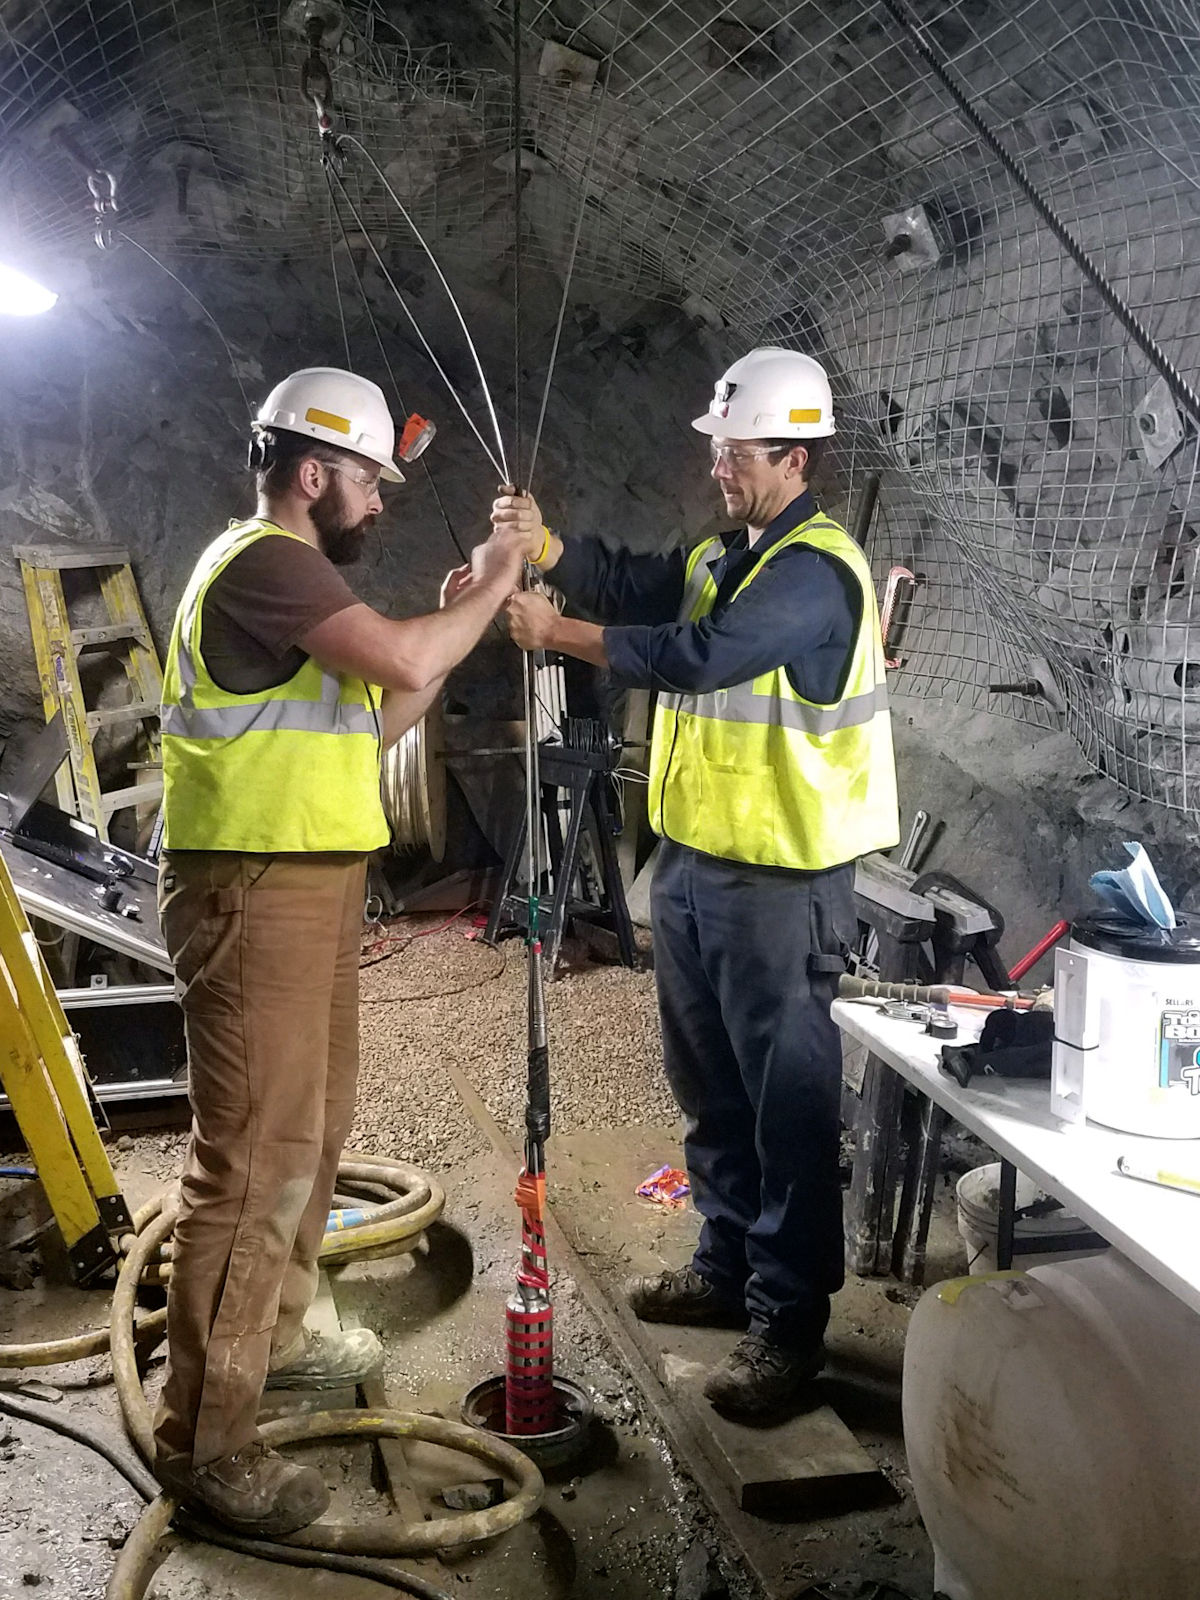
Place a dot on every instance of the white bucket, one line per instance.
(978, 1194)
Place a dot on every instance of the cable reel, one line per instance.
(413, 787)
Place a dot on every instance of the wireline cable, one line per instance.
(366, 300)
(233, 367)
(347, 139)
(499, 466)
(518, 262)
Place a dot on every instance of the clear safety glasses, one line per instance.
(741, 455)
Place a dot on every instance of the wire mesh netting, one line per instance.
(985, 217)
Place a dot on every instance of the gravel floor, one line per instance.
(448, 998)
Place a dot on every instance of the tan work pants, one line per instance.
(266, 952)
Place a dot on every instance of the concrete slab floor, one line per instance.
(620, 1523)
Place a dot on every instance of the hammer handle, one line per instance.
(938, 994)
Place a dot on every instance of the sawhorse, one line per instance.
(927, 929)
(583, 775)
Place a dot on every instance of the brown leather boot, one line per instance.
(329, 1361)
(763, 1381)
(254, 1491)
(685, 1298)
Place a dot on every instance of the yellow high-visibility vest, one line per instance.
(295, 768)
(755, 772)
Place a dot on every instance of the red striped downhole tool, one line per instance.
(530, 1403)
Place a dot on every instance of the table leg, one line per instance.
(908, 1255)
(872, 1186)
(1007, 1218)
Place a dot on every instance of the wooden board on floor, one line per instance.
(810, 1462)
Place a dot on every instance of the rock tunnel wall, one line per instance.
(1011, 324)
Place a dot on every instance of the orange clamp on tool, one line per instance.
(531, 1194)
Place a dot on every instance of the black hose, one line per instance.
(136, 1475)
(129, 1467)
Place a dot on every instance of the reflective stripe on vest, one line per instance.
(744, 704)
(268, 716)
(259, 772)
(757, 773)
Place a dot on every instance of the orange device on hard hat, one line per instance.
(415, 437)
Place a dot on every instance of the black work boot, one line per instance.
(254, 1491)
(684, 1297)
(760, 1380)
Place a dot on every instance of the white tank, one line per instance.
(1052, 1424)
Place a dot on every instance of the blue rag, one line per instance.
(1136, 893)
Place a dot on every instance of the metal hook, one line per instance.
(316, 84)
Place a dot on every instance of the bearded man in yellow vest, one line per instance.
(281, 690)
(771, 771)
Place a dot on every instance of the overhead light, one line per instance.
(21, 296)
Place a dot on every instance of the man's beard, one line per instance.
(341, 542)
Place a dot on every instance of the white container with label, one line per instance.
(1127, 1028)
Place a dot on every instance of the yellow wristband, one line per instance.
(541, 555)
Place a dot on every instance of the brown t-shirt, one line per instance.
(269, 595)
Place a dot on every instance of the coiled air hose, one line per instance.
(411, 1202)
(143, 1482)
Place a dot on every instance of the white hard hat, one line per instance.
(338, 408)
(771, 394)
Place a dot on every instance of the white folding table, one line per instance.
(1157, 1228)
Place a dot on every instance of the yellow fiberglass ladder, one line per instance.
(43, 1076)
(58, 645)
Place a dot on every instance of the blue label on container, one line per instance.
(1179, 1049)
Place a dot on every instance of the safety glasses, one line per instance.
(741, 455)
(368, 482)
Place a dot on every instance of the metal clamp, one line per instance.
(887, 612)
(316, 85)
(102, 186)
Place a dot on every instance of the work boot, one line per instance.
(760, 1380)
(255, 1491)
(329, 1361)
(686, 1298)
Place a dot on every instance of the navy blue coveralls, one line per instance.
(746, 957)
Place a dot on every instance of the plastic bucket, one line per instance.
(978, 1195)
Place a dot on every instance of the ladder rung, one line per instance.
(138, 794)
(58, 556)
(108, 634)
(132, 712)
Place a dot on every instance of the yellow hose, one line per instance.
(396, 1226)
(388, 1230)
(141, 1556)
(51, 1352)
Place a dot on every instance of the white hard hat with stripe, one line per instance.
(771, 394)
(339, 408)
